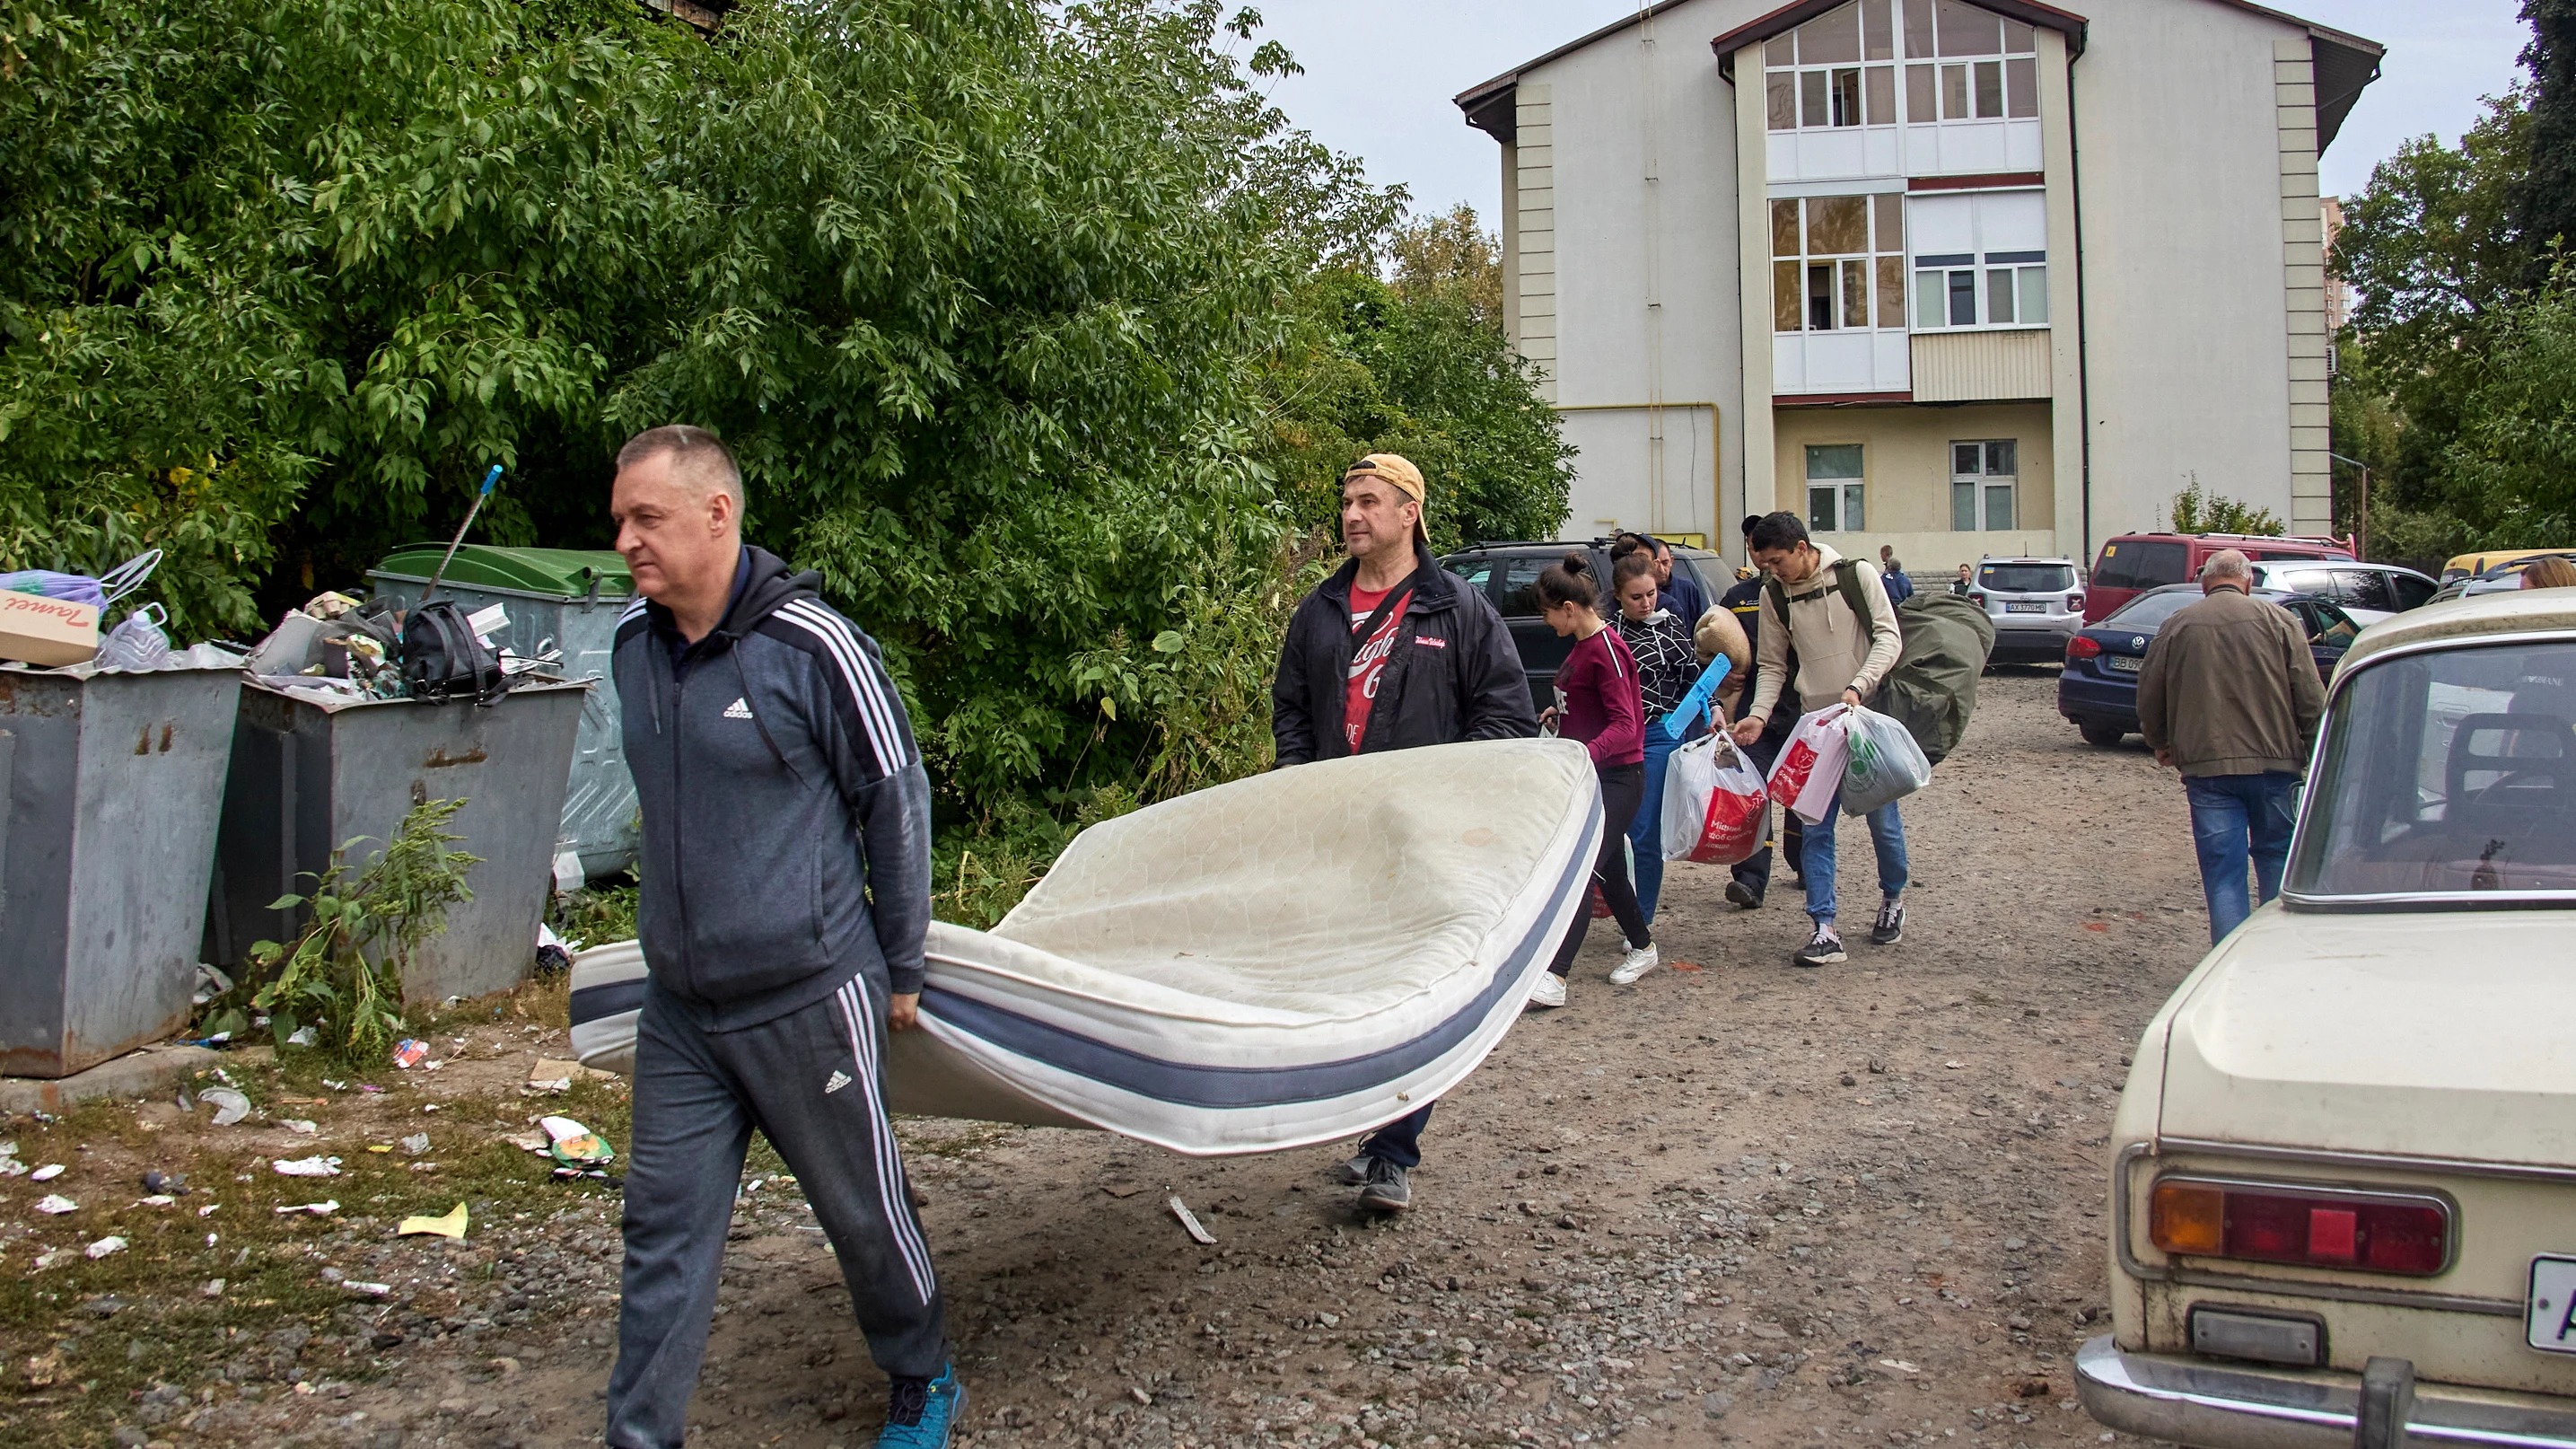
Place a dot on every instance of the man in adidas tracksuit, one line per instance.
(786, 894)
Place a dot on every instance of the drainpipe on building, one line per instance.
(2083, 344)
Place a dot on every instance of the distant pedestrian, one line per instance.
(1966, 583)
(783, 954)
(2549, 573)
(1390, 653)
(1891, 573)
(1677, 590)
(1598, 706)
(2229, 695)
(1666, 668)
(1841, 658)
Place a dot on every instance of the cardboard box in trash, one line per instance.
(44, 631)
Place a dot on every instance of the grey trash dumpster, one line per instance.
(310, 774)
(556, 598)
(109, 787)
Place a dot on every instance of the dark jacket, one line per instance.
(781, 790)
(1453, 674)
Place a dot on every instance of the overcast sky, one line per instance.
(1379, 75)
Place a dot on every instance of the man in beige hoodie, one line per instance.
(1842, 656)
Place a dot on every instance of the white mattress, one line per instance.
(1283, 960)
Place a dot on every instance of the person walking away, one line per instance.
(1391, 653)
(2229, 695)
(1966, 583)
(1841, 658)
(785, 899)
(1676, 589)
(1597, 706)
(1749, 880)
(1667, 666)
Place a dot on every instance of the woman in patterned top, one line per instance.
(1666, 668)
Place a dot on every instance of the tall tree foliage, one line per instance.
(2547, 210)
(1011, 309)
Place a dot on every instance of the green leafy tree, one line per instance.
(2513, 461)
(2197, 510)
(2547, 200)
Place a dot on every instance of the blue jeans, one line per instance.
(1400, 1141)
(1816, 855)
(1646, 832)
(2234, 817)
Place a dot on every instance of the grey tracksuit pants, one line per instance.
(810, 1081)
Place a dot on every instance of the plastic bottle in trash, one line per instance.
(138, 643)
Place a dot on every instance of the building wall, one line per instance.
(1905, 464)
(2185, 184)
(1640, 275)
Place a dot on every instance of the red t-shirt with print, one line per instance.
(1359, 691)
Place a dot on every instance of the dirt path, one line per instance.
(1738, 1203)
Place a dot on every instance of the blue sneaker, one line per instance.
(922, 1411)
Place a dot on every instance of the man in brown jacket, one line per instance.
(2229, 694)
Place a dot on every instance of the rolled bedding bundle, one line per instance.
(1271, 963)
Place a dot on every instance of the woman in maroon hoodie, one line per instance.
(1596, 704)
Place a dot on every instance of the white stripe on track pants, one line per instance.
(811, 1082)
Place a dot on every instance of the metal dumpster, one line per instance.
(557, 598)
(308, 776)
(109, 787)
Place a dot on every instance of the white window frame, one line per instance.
(1848, 495)
(1886, 251)
(1998, 470)
(1919, 72)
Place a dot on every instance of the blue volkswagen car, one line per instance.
(2099, 688)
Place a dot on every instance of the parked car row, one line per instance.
(1508, 573)
(2098, 689)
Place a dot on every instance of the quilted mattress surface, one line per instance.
(1278, 961)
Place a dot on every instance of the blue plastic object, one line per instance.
(1695, 703)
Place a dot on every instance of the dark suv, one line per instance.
(1508, 573)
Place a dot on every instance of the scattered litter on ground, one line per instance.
(55, 1204)
(372, 1290)
(380, 1147)
(307, 1167)
(416, 1144)
(1181, 1210)
(47, 1173)
(158, 1199)
(550, 1075)
(409, 1052)
(175, 1183)
(230, 1106)
(214, 1288)
(49, 1258)
(317, 1209)
(574, 1145)
(299, 1124)
(104, 1246)
(450, 1224)
(302, 1036)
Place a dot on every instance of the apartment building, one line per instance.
(1967, 279)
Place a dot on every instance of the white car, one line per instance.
(2343, 1174)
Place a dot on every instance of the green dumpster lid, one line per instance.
(565, 571)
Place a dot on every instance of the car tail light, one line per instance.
(2075, 603)
(2377, 1233)
(1977, 599)
(2082, 647)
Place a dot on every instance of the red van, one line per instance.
(2136, 562)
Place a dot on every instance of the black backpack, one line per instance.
(444, 659)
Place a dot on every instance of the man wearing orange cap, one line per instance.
(1392, 652)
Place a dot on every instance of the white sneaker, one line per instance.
(1638, 961)
(1549, 991)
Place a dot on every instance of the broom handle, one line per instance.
(452, 544)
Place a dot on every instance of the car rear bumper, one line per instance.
(2242, 1406)
(2082, 696)
(2032, 639)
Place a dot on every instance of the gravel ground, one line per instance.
(1736, 1202)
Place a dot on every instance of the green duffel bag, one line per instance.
(1933, 688)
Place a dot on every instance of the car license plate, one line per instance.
(2549, 1311)
(2033, 607)
(2126, 663)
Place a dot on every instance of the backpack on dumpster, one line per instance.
(1810, 766)
(1713, 803)
(443, 658)
(1883, 764)
(1932, 690)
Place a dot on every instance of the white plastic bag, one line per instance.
(1882, 764)
(1810, 766)
(1713, 803)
